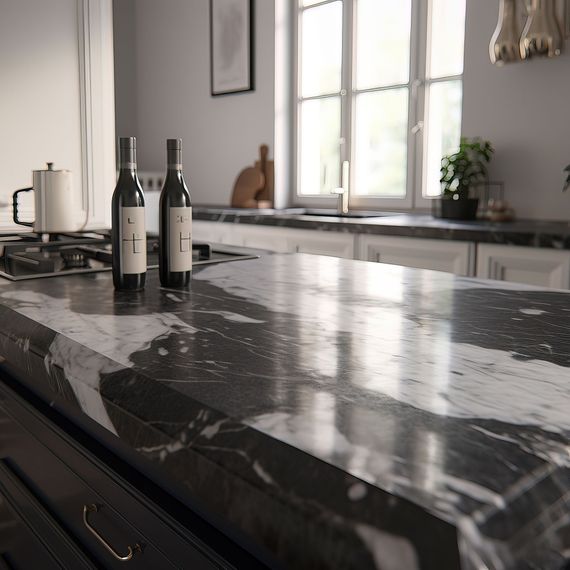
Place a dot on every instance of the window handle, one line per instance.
(418, 127)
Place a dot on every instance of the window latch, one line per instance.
(418, 127)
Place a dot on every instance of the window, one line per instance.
(379, 84)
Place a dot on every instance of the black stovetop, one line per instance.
(31, 256)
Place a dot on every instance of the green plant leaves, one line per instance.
(467, 167)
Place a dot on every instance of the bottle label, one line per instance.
(133, 241)
(180, 254)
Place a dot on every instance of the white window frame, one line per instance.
(418, 91)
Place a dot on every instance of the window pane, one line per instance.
(321, 49)
(447, 34)
(382, 42)
(443, 129)
(381, 144)
(309, 2)
(319, 145)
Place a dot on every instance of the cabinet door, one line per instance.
(68, 481)
(335, 244)
(29, 536)
(19, 547)
(440, 255)
(215, 232)
(289, 240)
(207, 231)
(265, 237)
(529, 265)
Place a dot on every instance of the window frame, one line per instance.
(418, 93)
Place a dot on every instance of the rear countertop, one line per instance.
(532, 233)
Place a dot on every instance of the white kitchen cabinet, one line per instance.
(247, 235)
(442, 255)
(293, 240)
(335, 244)
(278, 239)
(530, 265)
(215, 232)
(264, 237)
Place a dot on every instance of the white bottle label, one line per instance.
(180, 254)
(133, 240)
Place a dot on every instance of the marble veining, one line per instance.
(503, 384)
(401, 389)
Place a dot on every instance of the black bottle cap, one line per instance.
(174, 144)
(127, 142)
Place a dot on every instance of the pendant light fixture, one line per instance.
(542, 34)
(504, 46)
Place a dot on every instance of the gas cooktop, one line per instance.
(32, 256)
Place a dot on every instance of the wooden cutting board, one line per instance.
(267, 167)
(247, 185)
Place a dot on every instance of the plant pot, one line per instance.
(462, 209)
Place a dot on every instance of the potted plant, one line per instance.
(460, 173)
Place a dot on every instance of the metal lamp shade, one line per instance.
(504, 46)
(542, 35)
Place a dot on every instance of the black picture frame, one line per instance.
(231, 62)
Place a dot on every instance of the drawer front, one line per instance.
(529, 265)
(19, 547)
(334, 244)
(69, 483)
(29, 536)
(438, 255)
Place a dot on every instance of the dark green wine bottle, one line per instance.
(175, 225)
(128, 233)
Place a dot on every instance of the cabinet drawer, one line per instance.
(19, 547)
(530, 265)
(216, 232)
(440, 255)
(29, 536)
(66, 479)
(334, 244)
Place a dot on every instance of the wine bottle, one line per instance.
(175, 226)
(128, 234)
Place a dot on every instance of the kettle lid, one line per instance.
(50, 168)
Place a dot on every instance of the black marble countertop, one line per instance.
(341, 414)
(532, 233)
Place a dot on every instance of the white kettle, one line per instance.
(54, 202)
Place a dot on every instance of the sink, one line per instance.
(352, 214)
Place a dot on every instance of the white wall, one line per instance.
(126, 100)
(524, 110)
(221, 134)
(40, 97)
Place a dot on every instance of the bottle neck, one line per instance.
(174, 159)
(128, 160)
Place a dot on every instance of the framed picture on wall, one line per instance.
(231, 46)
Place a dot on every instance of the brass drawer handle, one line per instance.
(130, 550)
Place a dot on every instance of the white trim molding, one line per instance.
(97, 96)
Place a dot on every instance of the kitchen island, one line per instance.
(332, 413)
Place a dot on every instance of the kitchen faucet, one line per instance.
(343, 192)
